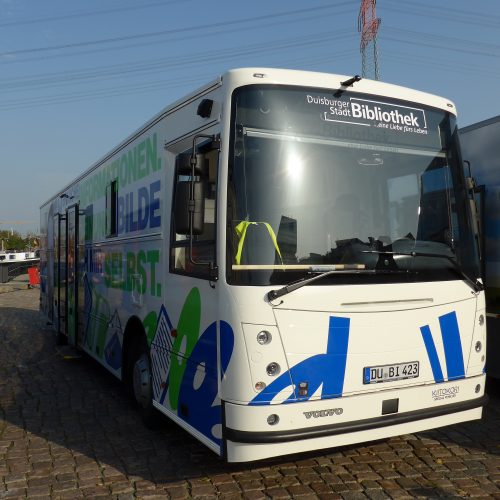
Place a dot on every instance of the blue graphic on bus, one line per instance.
(321, 369)
(450, 333)
(161, 346)
(199, 388)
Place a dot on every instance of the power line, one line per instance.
(90, 13)
(225, 30)
(209, 58)
(460, 45)
(158, 66)
(154, 65)
(442, 64)
(136, 89)
(222, 30)
(455, 15)
(170, 31)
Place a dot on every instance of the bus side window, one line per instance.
(111, 208)
(203, 244)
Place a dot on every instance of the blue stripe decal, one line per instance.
(338, 342)
(321, 369)
(366, 375)
(452, 346)
(432, 353)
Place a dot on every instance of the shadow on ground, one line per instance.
(62, 415)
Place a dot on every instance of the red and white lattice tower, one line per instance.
(368, 24)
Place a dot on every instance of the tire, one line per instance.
(141, 386)
(61, 339)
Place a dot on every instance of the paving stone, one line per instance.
(67, 430)
(249, 495)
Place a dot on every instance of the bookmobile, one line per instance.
(282, 261)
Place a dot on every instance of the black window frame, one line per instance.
(202, 270)
(112, 209)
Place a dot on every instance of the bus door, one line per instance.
(72, 275)
(60, 274)
(55, 272)
(81, 277)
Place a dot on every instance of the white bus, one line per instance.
(282, 261)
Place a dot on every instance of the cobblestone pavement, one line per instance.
(67, 430)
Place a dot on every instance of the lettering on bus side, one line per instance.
(140, 209)
(136, 211)
(121, 271)
(132, 165)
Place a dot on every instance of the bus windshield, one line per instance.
(324, 180)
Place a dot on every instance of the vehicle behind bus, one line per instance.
(481, 148)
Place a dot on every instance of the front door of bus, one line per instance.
(61, 274)
(55, 273)
(71, 275)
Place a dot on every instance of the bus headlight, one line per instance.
(273, 369)
(264, 337)
(478, 346)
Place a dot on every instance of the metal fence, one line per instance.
(9, 270)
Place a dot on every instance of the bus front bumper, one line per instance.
(327, 423)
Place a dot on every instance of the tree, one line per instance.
(13, 241)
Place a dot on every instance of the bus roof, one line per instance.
(273, 76)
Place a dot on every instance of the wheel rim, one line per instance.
(141, 379)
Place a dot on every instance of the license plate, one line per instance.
(390, 373)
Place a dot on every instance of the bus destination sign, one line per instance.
(368, 113)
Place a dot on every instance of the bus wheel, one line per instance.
(142, 388)
(61, 339)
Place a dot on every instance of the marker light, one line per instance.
(273, 369)
(478, 346)
(264, 337)
(273, 419)
(260, 385)
(481, 319)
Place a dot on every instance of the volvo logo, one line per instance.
(323, 413)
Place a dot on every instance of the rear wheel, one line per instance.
(61, 339)
(142, 386)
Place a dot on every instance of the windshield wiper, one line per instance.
(274, 294)
(476, 285)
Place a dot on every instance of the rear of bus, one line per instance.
(351, 265)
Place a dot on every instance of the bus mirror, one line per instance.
(185, 165)
(185, 206)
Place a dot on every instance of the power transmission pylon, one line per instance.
(368, 24)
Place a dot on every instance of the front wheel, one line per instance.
(142, 386)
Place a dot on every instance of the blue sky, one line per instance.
(76, 77)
